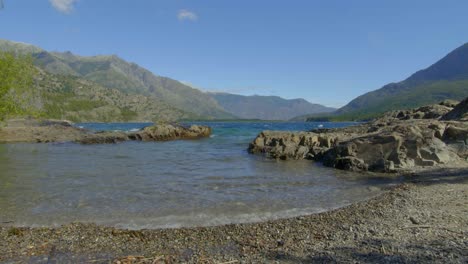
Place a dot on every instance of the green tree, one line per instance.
(16, 75)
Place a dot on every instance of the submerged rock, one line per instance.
(34, 131)
(400, 140)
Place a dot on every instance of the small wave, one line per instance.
(215, 219)
(134, 130)
(212, 136)
(80, 126)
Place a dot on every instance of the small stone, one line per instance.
(280, 243)
(414, 220)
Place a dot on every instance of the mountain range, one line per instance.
(138, 93)
(108, 88)
(445, 79)
(267, 107)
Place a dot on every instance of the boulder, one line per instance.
(291, 145)
(164, 132)
(460, 112)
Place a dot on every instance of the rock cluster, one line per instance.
(400, 140)
(170, 132)
(33, 131)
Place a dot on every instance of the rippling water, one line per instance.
(169, 184)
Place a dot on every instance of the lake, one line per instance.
(204, 182)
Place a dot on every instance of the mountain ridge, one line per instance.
(113, 72)
(267, 107)
(110, 71)
(76, 99)
(445, 79)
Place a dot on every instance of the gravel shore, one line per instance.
(425, 220)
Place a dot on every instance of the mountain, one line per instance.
(446, 79)
(18, 46)
(108, 88)
(266, 107)
(73, 98)
(113, 72)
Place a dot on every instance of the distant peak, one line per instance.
(19, 46)
(68, 54)
(16, 42)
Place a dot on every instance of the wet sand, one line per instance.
(423, 221)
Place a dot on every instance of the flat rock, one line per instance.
(44, 131)
(166, 132)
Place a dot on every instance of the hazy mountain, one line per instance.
(115, 73)
(446, 79)
(266, 107)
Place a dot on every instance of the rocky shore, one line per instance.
(45, 131)
(431, 137)
(423, 221)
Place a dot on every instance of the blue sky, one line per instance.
(327, 51)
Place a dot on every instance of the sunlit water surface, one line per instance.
(137, 185)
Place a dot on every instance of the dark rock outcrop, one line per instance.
(34, 131)
(399, 141)
(460, 112)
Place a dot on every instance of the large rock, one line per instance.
(460, 112)
(388, 144)
(293, 145)
(164, 132)
(401, 146)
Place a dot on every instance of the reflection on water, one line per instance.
(167, 184)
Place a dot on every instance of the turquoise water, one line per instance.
(203, 182)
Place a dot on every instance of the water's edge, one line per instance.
(136, 185)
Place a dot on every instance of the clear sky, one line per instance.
(327, 51)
